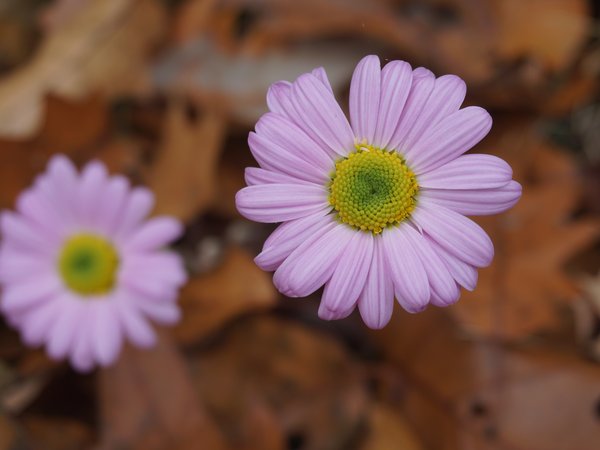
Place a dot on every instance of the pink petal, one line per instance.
(290, 235)
(82, 355)
(272, 157)
(319, 113)
(450, 138)
(408, 125)
(458, 235)
(463, 273)
(365, 90)
(440, 280)
(312, 263)
(107, 332)
(92, 187)
(405, 268)
(62, 335)
(160, 267)
(37, 324)
(19, 296)
(350, 274)
(279, 99)
(164, 313)
(35, 208)
(446, 97)
(280, 202)
(376, 302)
(327, 314)
(320, 73)
(474, 171)
(256, 175)
(396, 81)
(60, 184)
(135, 328)
(137, 207)
(445, 301)
(154, 234)
(17, 265)
(111, 203)
(285, 134)
(476, 202)
(19, 231)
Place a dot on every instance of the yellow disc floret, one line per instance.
(372, 189)
(88, 264)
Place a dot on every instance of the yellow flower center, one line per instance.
(88, 264)
(372, 189)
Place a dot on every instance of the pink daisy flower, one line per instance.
(81, 271)
(374, 208)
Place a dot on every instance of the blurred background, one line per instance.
(166, 91)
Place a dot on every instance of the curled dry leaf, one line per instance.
(183, 176)
(526, 290)
(102, 47)
(211, 300)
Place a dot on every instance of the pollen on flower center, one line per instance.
(372, 189)
(88, 264)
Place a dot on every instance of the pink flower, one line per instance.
(81, 271)
(375, 208)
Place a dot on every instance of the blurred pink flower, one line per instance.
(375, 208)
(81, 271)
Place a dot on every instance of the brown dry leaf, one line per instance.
(8, 434)
(526, 290)
(306, 380)
(102, 47)
(183, 176)
(56, 433)
(21, 160)
(148, 402)
(481, 395)
(210, 301)
(388, 430)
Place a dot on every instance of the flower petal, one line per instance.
(422, 85)
(463, 273)
(289, 235)
(22, 233)
(440, 279)
(272, 157)
(34, 207)
(365, 90)
(474, 171)
(150, 269)
(350, 274)
(92, 185)
(287, 135)
(135, 327)
(396, 81)
(279, 99)
(111, 203)
(320, 73)
(457, 234)
(37, 324)
(376, 302)
(450, 138)
(154, 234)
(272, 203)
(107, 333)
(319, 113)
(137, 207)
(256, 175)
(446, 97)
(476, 202)
(405, 268)
(311, 265)
(62, 334)
(20, 296)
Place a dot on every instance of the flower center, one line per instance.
(88, 264)
(373, 188)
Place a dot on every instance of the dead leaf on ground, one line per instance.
(102, 47)
(211, 300)
(306, 379)
(183, 176)
(526, 289)
(148, 402)
(387, 430)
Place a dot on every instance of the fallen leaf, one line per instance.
(103, 47)
(211, 300)
(388, 430)
(148, 402)
(183, 176)
(526, 289)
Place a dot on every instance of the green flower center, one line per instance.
(88, 264)
(372, 189)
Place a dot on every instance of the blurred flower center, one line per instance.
(372, 189)
(88, 264)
